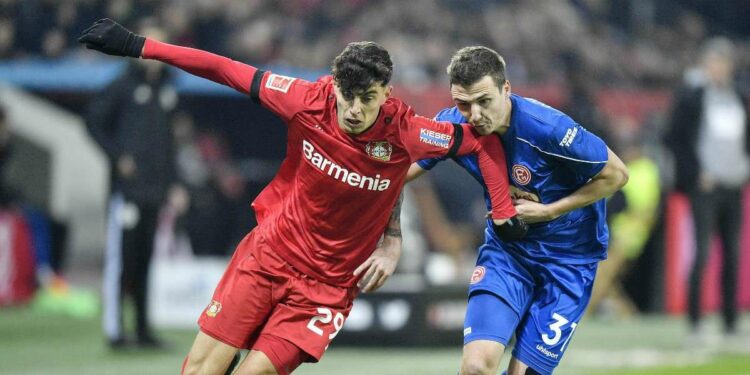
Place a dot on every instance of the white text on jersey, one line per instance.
(342, 174)
(569, 135)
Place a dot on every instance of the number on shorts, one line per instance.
(555, 327)
(325, 318)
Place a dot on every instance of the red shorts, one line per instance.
(262, 295)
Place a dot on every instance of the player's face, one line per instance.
(486, 106)
(357, 115)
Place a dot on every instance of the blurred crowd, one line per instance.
(641, 43)
(583, 47)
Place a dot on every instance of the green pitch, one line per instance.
(31, 343)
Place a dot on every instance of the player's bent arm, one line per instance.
(612, 177)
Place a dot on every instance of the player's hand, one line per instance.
(512, 229)
(533, 212)
(112, 38)
(380, 265)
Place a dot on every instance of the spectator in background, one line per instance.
(6, 197)
(217, 191)
(710, 139)
(630, 225)
(130, 121)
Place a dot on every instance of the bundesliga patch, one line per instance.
(213, 309)
(477, 275)
(521, 174)
(434, 138)
(380, 150)
(279, 83)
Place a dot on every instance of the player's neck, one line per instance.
(505, 121)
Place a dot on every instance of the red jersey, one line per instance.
(330, 202)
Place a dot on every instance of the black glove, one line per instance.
(111, 38)
(513, 229)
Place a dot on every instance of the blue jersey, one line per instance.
(549, 156)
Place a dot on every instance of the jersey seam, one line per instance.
(558, 155)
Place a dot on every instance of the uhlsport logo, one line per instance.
(213, 308)
(477, 275)
(521, 174)
(380, 150)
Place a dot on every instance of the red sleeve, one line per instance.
(426, 138)
(491, 159)
(284, 96)
(204, 64)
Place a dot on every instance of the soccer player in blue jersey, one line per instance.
(536, 288)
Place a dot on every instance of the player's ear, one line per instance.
(388, 90)
(506, 88)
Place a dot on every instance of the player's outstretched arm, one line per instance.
(109, 37)
(435, 139)
(491, 159)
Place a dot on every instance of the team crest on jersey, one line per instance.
(380, 150)
(477, 275)
(521, 174)
(213, 308)
(279, 83)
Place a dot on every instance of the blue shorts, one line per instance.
(540, 302)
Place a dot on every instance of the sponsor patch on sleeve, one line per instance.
(569, 136)
(434, 138)
(279, 83)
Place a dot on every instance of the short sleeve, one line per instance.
(578, 149)
(282, 95)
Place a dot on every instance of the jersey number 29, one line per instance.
(325, 318)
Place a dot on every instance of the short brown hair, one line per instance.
(469, 64)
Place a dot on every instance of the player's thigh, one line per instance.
(311, 316)
(243, 299)
(553, 316)
(256, 363)
(489, 317)
(488, 326)
(505, 275)
(273, 355)
(208, 356)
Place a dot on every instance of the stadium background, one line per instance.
(613, 65)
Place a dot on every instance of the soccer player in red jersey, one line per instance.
(292, 280)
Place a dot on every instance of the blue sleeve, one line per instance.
(578, 149)
(427, 164)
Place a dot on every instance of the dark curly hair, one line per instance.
(469, 64)
(360, 65)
